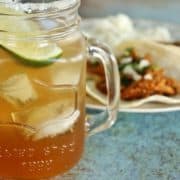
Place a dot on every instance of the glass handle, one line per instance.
(104, 120)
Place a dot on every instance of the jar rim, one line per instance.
(38, 7)
(49, 23)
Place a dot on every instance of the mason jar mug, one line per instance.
(43, 57)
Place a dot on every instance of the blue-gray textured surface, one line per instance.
(138, 147)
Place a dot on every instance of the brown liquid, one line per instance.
(22, 156)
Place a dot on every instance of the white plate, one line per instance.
(163, 104)
(146, 108)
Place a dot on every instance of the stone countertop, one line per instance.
(138, 147)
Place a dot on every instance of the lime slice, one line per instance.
(34, 53)
(18, 89)
(30, 52)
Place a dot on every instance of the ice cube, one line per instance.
(18, 88)
(57, 126)
(67, 73)
(50, 119)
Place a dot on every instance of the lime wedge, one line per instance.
(34, 53)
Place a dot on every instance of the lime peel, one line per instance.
(35, 54)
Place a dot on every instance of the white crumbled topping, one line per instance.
(112, 30)
(116, 29)
(144, 63)
(148, 77)
(157, 34)
(126, 60)
(128, 70)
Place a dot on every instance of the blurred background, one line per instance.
(163, 10)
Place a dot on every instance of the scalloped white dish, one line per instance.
(152, 104)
